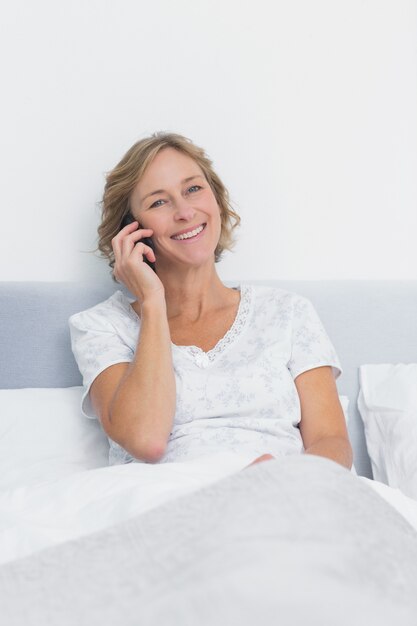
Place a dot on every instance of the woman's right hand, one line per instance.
(129, 266)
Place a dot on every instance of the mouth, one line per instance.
(190, 235)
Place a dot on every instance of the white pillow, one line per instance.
(387, 403)
(43, 436)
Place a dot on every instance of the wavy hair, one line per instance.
(122, 179)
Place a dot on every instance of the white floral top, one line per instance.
(238, 397)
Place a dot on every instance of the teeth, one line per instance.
(192, 233)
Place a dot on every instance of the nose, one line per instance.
(183, 209)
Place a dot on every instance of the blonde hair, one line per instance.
(122, 179)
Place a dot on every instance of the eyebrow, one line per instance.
(186, 180)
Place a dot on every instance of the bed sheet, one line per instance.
(34, 517)
(298, 540)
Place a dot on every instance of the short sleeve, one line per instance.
(310, 344)
(95, 345)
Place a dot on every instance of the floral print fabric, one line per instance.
(240, 396)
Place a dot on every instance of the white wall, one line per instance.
(308, 110)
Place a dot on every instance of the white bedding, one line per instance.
(292, 541)
(34, 517)
(387, 403)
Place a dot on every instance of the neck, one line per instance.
(194, 293)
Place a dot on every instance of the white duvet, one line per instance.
(34, 517)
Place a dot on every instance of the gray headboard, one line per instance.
(367, 321)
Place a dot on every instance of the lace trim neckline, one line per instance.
(233, 332)
(230, 336)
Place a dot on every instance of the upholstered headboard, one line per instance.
(367, 321)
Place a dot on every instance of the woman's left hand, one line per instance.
(264, 457)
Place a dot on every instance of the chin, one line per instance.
(199, 261)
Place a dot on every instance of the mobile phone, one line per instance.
(128, 219)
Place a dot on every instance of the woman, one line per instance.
(191, 367)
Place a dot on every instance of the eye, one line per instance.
(155, 204)
(194, 187)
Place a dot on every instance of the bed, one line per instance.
(211, 542)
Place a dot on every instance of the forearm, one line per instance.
(144, 402)
(335, 448)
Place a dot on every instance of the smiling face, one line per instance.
(174, 198)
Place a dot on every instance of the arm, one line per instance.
(323, 427)
(142, 408)
(136, 401)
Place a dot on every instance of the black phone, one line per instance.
(128, 219)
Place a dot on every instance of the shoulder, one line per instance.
(104, 314)
(278, 300)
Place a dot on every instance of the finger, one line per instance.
(115, 244)
(129, 227)
(140, 233)
(129, 241)
(141, 250)
(125, 231)
(136, 235)
(118, 238)
(150, 254)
